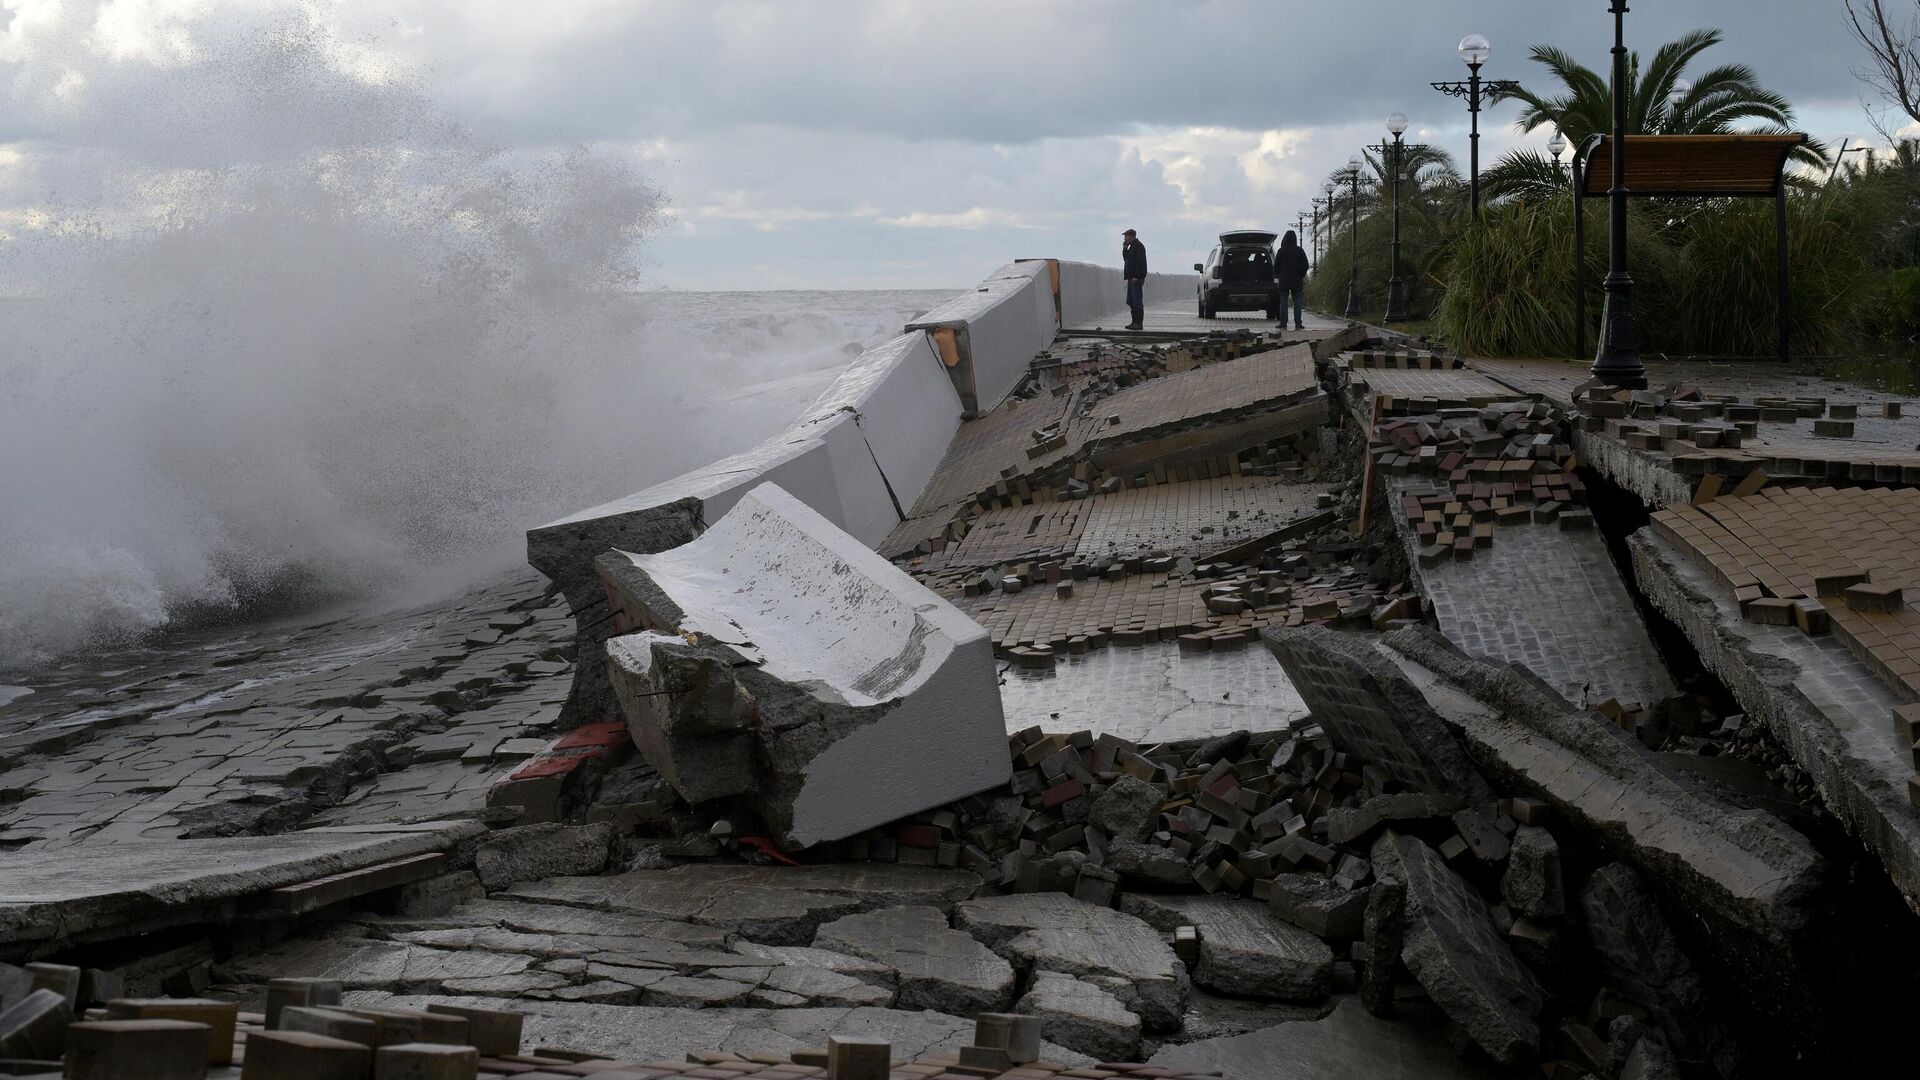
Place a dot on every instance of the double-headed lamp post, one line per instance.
(1557, 146)
(1353, 238)
(1617, 362)
(1474, 49)
(1396, 289)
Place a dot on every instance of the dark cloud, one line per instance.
(1017, 70)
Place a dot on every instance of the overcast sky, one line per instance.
(911, 143)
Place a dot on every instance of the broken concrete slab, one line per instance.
(1127, 810)
(1532, 884)
(533, 852)
(1079, 1014)
(1452, 947)
(1750, 879)
(1371, 710)
(780, 905)
(938, 967)
(1347, 1045)
(1245, 949)
(361, 964)
(866, 696)
(1317, 905)
(1643, 959)
(88, 892)
(1812, 693)
(1055, 932)
(822, 987)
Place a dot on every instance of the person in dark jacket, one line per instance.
(1133, 267)
(1290, 273)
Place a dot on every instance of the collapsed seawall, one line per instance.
(862, 453)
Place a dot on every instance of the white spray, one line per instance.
(270, 325)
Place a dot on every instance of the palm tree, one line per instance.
(1723, 100)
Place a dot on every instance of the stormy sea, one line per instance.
(282, 340)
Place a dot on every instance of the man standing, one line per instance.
(1133, 267)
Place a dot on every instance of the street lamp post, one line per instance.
(1474, 49)
(1326, 239)
(1320, 203)
(1617, 363)
(1395, 154)
(1557, 146)
(1353, 239)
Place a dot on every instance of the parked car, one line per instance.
(1238, 275)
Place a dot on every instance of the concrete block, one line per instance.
(332, 1023)
(62, 979)
(137, 1050)
(35, 1026)
(282, 993)
(396, 1026)
(297, 1055)
(496, 1032)
(426, 1061)
(220, 1017)
(870, 697)
(1018, 1035)
(857, 1057)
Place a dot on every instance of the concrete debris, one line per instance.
(1080, 1014)
(1532, 884)
(1450, 944)
(1747, 875)
(827, 707)
(1643, 958)
(1349, 1044)
(1245, 949)
(533, 852)
(1052, 932)
(1371, 710)
(938, 968)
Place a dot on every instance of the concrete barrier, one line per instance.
(1090, 293)
(859, 456)
(990, 335)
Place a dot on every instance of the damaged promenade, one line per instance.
(1052, 700)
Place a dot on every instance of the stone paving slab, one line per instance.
(1154, 693)
(1551, 600)
(212, 734)
(115, 891)
(1459, 387)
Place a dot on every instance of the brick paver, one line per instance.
(1551, 600)
(1782, 543)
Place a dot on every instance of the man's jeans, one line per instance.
(1136, 301)
(1296, 292)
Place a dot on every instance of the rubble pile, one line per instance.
(1501, 465)
(1287, 584)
